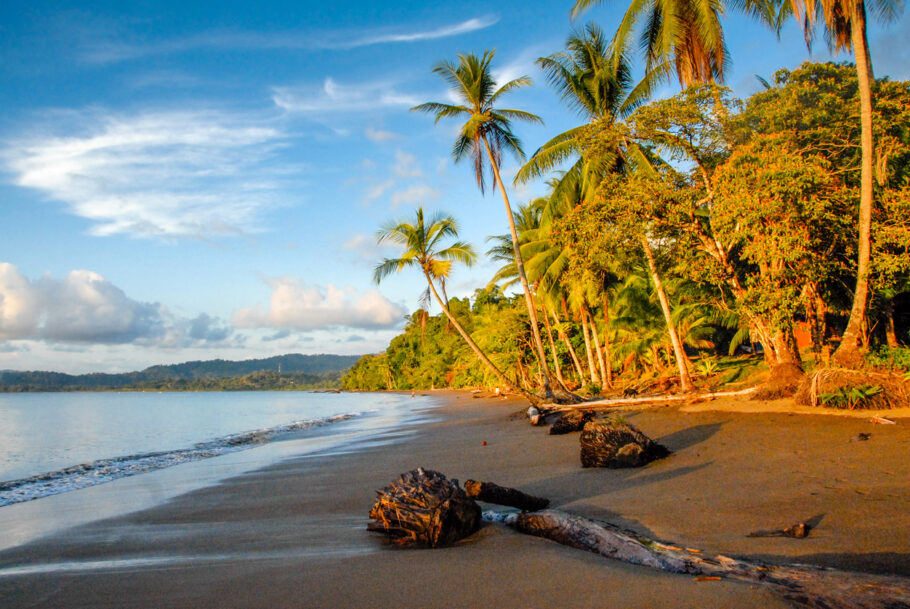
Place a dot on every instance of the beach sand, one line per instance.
(293, 534)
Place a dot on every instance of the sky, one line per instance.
(201, 180)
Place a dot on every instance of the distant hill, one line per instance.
(311, 367)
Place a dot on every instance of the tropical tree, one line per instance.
(483, 138)
(597, 84)
(685, 34)
(845, 26)
(422, 242)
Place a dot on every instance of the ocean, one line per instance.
(152, 446)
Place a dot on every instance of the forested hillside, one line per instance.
(296, 371)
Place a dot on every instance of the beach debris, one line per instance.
(424, 508)
(570, 421)
(490, 492)
(534, 415)
(882, 420)
(800, 530)
(617, 445)
(801, 585)
(861, 437)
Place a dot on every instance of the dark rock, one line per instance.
(571, 420)
(617, 445)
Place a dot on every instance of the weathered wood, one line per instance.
(424, 508)
(570, 421)
(617, 445)
(800, 530)
(631, 401)
(804, 586)
(490, 492)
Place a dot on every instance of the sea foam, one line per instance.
(105, 470)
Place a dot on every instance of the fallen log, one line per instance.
(627, 401)
(424, 508)
(489, 492)
(804, 586)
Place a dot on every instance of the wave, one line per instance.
(106, 470)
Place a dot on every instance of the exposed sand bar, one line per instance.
(293, 534)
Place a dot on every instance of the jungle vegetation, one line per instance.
(680, 231)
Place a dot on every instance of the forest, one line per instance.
(690, 241)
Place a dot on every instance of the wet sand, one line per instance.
(293, 534)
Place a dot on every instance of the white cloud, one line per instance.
(377, 190)
(297, 306)
(113, 49)
(379, 136)
(406, 165)
(364, 247)
(181, 174)
(415, 194)
(334, 97)
(84, 307)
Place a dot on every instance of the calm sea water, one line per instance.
(56, 442)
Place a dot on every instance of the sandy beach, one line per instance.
(293, 534)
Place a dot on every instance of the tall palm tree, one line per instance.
(596, 82)
(845, 24)
(684, 34)
(485, 135)
(422, 241)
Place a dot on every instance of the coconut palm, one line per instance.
(845, 26)
(595, 82)
(422, 242)
(484, 137)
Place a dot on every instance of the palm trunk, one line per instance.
(685, 380)
(556, 366)
(600, 355)
(575, 360)
(847, 351)
(477, 351)
(607, 357)
(520, 265)
(890, 330)
(591, 368)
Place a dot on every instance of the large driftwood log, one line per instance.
(424, 508)
(617, 445)
(489, 492)
(804, 586)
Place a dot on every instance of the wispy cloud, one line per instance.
(414, 194)
(295, 305)
(379, 136)
(332, 96)
(113, 50)
(177, 174)
(406, 165)
(85, 308)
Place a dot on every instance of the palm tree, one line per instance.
(421, 241)
(845, 24)
(483, 138)
(685, 34)
(596, 82)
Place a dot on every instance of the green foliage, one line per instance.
(887, 357)
(850, 398)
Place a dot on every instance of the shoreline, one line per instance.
(293, 533)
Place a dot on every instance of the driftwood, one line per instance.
(617, 445)
(571, 420)
(424, 508)
(804, 586)
(631, 401)
(799, 530)
(489, 492)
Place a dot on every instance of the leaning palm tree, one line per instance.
(483, 138)
(422, 242)
(845, 26)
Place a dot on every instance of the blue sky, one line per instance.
(198, 180)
